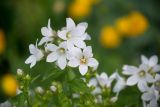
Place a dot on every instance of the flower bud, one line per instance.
(53, 88)
(19, 72)
(28, 77)
(39, 90)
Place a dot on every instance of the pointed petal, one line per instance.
(62, 34)
(129, 70)
(51, 47)
(144, 59)
(92, 62)
(73, 63)
(52, 57)
(44, 40)
(70, 24)
(132, 80)
(142, 86)
(153, 60)
(79, 43)
(33, 63)
(84, 24)
(30, 59)
(62, 62)
(83, 69)
(156, 68)
(87, 51)
(32, 49)
(46, 32)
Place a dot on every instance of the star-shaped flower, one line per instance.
(83, 59)
(36, 55)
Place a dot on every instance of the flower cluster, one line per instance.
(147, 78)
(70, 50)
(67, 49)
(101, 83)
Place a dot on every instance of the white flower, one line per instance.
(58, 54)
(138, 76)
(74, 35)
(83, 60)
(47, 33)
(151, 96)
(152, 63)
(120, 83)
(103, 80)
(94, 83)
(36, 55)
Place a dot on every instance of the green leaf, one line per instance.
(78, 85)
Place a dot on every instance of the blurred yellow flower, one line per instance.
(2, 42)
(134, 24)
(9, 85)
(81, 8)
(109, 37)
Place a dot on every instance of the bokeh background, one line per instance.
(121, 30)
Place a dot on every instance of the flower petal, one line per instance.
(62, 34)
(83, 69)
(147, 96)
(52, 57)
(142, 86)
(132, 80)
(46, 32)
(79, 43)
(92, 62)
(30, 59)
(129, 70)
(153, 60)
(33, 63)
(73, 63)
(87, 51)
(32, 49)
(70, 23)
(51, 47)
(144, 60)
(156, 68)
(62, 62)
(44, 40)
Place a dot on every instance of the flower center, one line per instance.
(68, 35)
(61, 50)
(83, 60)
(142, 73)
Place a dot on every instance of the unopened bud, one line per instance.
(39, 90)
(53, 88)
(28, 77)
(19, 72)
